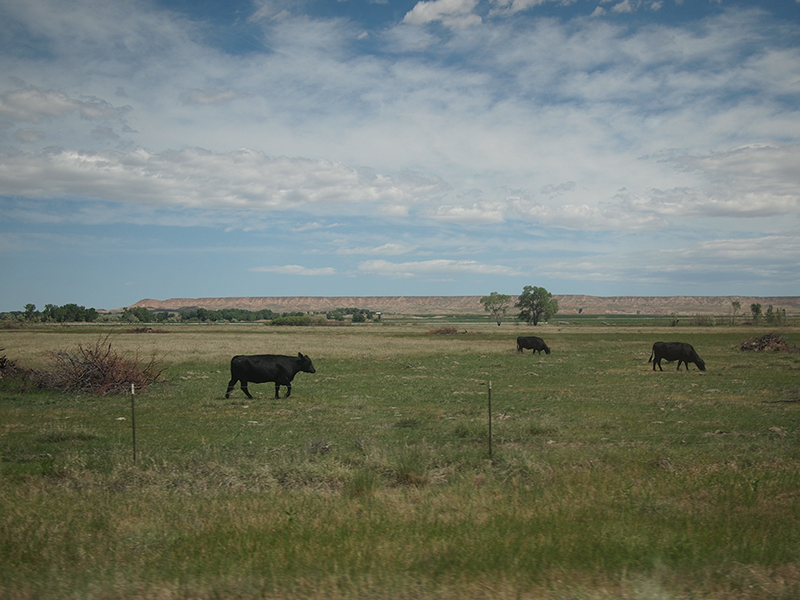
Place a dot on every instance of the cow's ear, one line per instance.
(299, 355)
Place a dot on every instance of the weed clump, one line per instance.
(98, 370)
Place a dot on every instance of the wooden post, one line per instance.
(133, 420)
(490, 419)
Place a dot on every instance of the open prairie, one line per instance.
(374, 480)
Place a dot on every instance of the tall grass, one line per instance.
(373, 480)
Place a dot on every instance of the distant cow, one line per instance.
(536, 344)
(680, 351)
(261, 368)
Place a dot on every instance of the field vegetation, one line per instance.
(374, 480)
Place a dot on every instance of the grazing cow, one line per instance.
(536, 344)
(261, 368)
(680, 351)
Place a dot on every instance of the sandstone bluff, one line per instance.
(430, 305)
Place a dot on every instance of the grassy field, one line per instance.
(374, 480)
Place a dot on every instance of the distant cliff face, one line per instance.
(429, 305)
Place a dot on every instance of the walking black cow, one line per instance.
(680, 351)
(536, 344)
(261, 368)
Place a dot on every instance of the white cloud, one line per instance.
(451, 13)
(271, 10)
(210, 96)
(475, 213)
(35, 105)
(438, 267)
(29, 136)
(724, 259)
(389, 249)
(575, 129)
(515, 6)
(104, 133)
(625, 7)
(295, 270)
(198, 178)
(313, 226)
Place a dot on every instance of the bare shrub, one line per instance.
(705, 320)
(766, 343)
(10, 371)
(8, 367)
(444, 330)
(145, 330)
(98, 370)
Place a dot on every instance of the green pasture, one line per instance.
(374, 479)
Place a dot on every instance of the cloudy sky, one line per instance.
(195, 148)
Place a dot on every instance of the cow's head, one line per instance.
(700, 364)
(305, 363)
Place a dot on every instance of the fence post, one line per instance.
(490, 419)
(133, 420)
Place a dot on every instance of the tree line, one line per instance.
(73, 313)
(68, 313)
(537, 304)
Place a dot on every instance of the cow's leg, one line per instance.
(245, 390)
(679, 365)
(277, 390)
(657, 362)
(288, 389)
(231, 383)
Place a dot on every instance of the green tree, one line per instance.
(536, 304)
(134, 314)
(775, 316)
(31, 314)
(496, 304)
(736, 306)
(755, 309)
(48, 314)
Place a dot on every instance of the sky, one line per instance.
(207, 148)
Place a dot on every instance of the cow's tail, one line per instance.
(649, 360)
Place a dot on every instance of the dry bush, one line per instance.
(8, 368)
(98, 370)
(444, 330)
(10, 371)
(769, 342)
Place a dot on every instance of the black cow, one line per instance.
(680, 351)
(536, 344)
(261, 368)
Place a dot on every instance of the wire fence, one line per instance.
(138, 431)
(247, 436)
